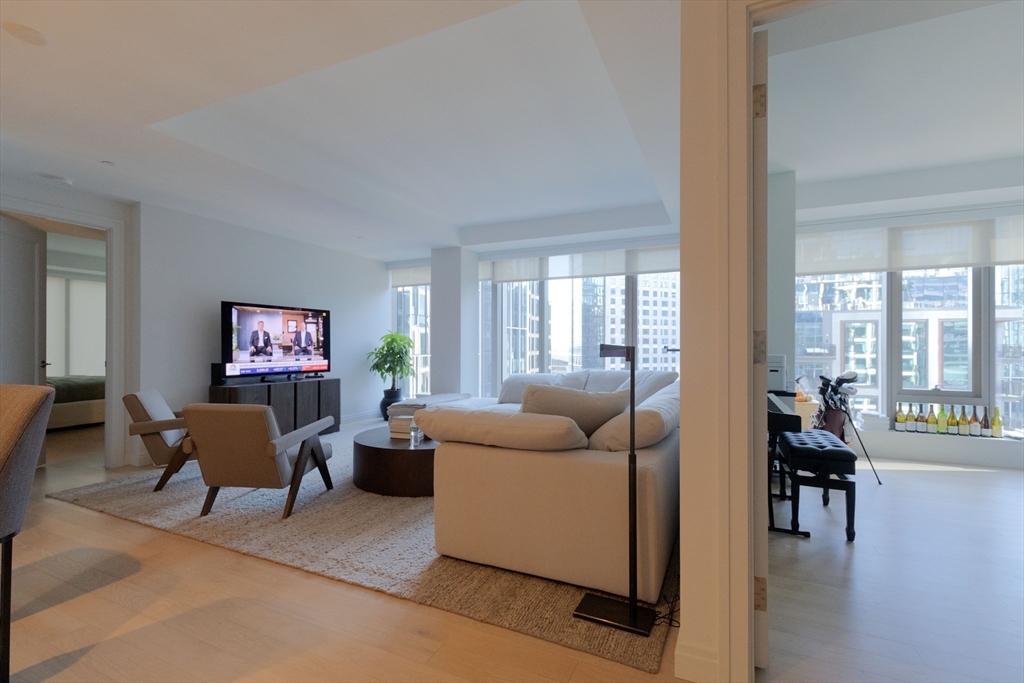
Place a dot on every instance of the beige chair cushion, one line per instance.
(513, 386)
(650, 382)
(231, 445)
(607, 380)
(526, 431)
(588, 409)
(655, 419)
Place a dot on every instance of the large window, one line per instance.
(412, 318)
(936, 318)
(658, 313)
(839, 328)
(1009, 347)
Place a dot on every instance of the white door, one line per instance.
(22, 303)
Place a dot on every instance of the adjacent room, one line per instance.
(432, 340)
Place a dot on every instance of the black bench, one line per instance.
(823, 454)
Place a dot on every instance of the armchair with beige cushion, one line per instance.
(241, 445)
(24, 412)
(162, 431)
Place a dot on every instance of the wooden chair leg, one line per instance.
(173, 467)
(211, 496)
(297, 474)
(851, 504)
(5, 608)
(321, 462)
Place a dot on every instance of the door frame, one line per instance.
(114, 432)
(717, 461)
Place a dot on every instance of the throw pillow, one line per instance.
(649, 383)
(589, 410)
(524, 431)
(513, 386)
(655, 419)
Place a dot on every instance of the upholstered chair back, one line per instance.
(149, 405)
(24, 412)
(232, 444)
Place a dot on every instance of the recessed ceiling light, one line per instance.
(25, 34)
(108, 163)
(56, 178)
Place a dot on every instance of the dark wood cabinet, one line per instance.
(295, 403)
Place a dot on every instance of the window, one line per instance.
(1008, 389)
(651, 350)
(412, 318)
(937, 306)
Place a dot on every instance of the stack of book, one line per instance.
(400, 426)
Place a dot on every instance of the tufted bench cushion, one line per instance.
(807, 450)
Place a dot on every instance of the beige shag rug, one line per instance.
(379, 542)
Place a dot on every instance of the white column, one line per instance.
(782, 267)
(454, 321)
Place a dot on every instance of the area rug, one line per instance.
(378, 542)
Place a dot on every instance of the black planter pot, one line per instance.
(390, 396)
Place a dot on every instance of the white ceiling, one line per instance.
(390, 128)
(941, 91)
(385, 129)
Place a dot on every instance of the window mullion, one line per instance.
(632, 310)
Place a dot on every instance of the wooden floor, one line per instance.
(932, 590)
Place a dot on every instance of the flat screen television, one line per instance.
(259, 340)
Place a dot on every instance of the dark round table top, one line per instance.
(380, 438)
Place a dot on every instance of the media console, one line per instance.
(296, 403)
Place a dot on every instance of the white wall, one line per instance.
(188, 265)
(782, 267)
(87, 324)
(454, 321)
(56, 326)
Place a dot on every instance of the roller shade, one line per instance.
(589, 264)
(407, 277)
(946, 245)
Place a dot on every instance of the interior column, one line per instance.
(454, 321)
(782, 267)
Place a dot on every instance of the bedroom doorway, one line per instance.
(75, 313)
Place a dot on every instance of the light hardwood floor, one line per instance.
(932, 590)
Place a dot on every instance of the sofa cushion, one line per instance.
(512, 387)
(525, 431)
(588, 409)
(650, 382)
(655, 419)
(607, 380)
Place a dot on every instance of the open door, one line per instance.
(760, 310)
(22, 305)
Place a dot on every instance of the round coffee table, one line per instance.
(392, 467)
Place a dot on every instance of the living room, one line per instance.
(459, 179)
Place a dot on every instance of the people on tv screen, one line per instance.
(302, 343)
(259, 342)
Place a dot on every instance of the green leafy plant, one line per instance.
(393, 358)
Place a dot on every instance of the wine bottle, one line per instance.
(986, 426)
(954, 422)
(901, 419)
(974, 425)
(922, 419)
(942, 426)
(911, 418)
(931, 422)
(965, 424)
(997, 424)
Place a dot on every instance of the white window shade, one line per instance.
(407, 277)
(976, 243)
(608, 263)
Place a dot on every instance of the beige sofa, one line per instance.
(560, 514)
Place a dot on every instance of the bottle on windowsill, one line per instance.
(975, 424)
(986, 426)
(932, 422)
(954, 422)
(997, 424)
(965, 424)
(942, 426)
(922, 419)
(901, 419)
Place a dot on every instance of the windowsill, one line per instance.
(943, 448)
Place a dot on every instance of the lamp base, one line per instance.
(615, 613)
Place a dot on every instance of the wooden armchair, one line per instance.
(162, 431)
(241, 445)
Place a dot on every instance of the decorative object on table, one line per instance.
(26, 410)
(393, 358)
(400, 426)
(625, 616)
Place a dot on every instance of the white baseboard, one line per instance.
(693, 664)
(352, 418)
(945, 450)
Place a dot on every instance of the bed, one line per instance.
(79, 400)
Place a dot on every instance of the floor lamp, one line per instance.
(627, 616)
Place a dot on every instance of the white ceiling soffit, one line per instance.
(75, 245)
(510, 117)
(934, 93)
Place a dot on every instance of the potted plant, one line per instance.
(393, 358)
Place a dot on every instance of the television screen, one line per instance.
(271, 340)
